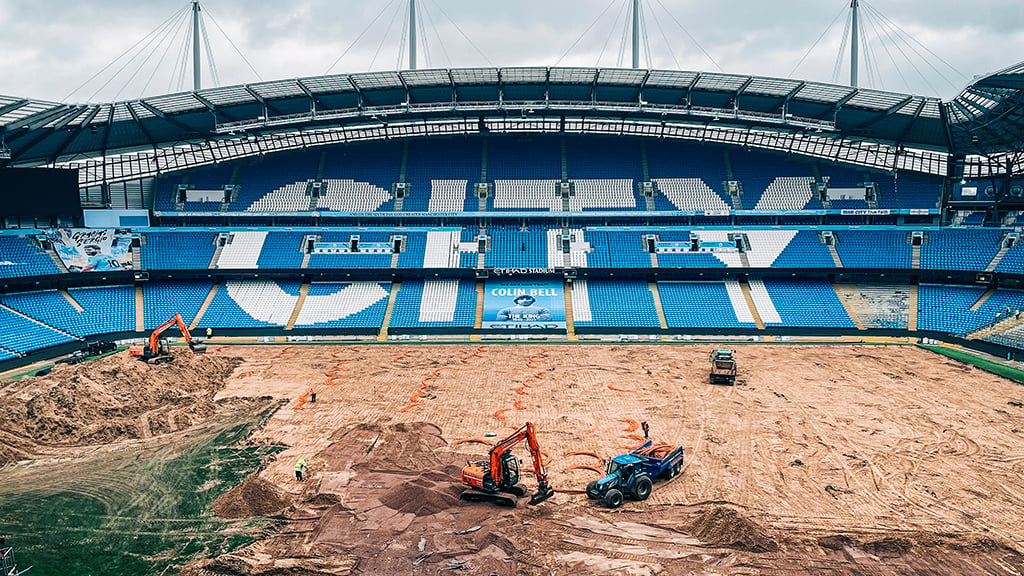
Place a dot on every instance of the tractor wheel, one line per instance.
(590, 488)
(613, 498)
(642, 488)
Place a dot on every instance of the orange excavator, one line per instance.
(497, 480)
(155, 350)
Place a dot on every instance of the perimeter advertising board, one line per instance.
(517, 304)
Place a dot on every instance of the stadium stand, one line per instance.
(18, 257)
(251, 304)
(343, 305)
(176, 249)
(614, 303)
(703, 305)
(439, 303)
(803, 303)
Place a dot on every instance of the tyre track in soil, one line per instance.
(932, 439)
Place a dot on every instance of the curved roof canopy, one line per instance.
(987, 117)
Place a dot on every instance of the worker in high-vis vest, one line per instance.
(300, 467)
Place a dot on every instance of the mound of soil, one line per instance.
(724, 527)
(112, 398)
(415, 498)
(253, 497)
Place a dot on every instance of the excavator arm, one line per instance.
(153, 352)
(498, 469)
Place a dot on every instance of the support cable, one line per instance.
(913, 40)
(423, 18)
(365, 30)
(608, 39)
(664, 36)
(206, 11)
(573, 45)
(688, 35)
(145, 39)
(186, 43)
(874, 76)
(626, 26)
(214, 75)
(484, 56)
(808, 53)
(156, 69)
(402, 41)
(383, 38)
(842, 49)
(647, 40)
(909, 61)
(881, 34)
(167, 36)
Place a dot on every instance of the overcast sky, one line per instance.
(82, 50)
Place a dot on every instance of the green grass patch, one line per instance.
(140, 508)
(996, 368)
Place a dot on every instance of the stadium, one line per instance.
(445, 254)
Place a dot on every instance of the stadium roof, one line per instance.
(986, 118)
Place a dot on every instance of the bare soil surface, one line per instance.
(849, 459)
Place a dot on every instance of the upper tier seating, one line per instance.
(177, 249)
(526, 195)
(788, 193)
(605, 194)
(440, 175)
(689, 194)
(278, 170)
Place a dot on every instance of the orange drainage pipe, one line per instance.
(591, 454)
(518, 405)
(631, 425)
(584, 467)
(467, 440)
(610, 387)
(500, 413)
(522, 391)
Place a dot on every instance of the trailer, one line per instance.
(632, 475)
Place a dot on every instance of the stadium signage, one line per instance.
(519, 271)
(537, 304)
(869, 212)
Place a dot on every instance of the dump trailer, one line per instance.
(723, 367)
(632, 475)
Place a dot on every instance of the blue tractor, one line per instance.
(632, 475)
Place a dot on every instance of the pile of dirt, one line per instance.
(417, 498)
(720, 526)
(112, 398)
(253, 497)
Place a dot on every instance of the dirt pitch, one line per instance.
(850, 459)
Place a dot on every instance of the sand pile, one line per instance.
(721, 526)
(112, 398)
(416, 498)
(253, 497)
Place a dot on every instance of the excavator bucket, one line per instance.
(544, 491)
(198, 347)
